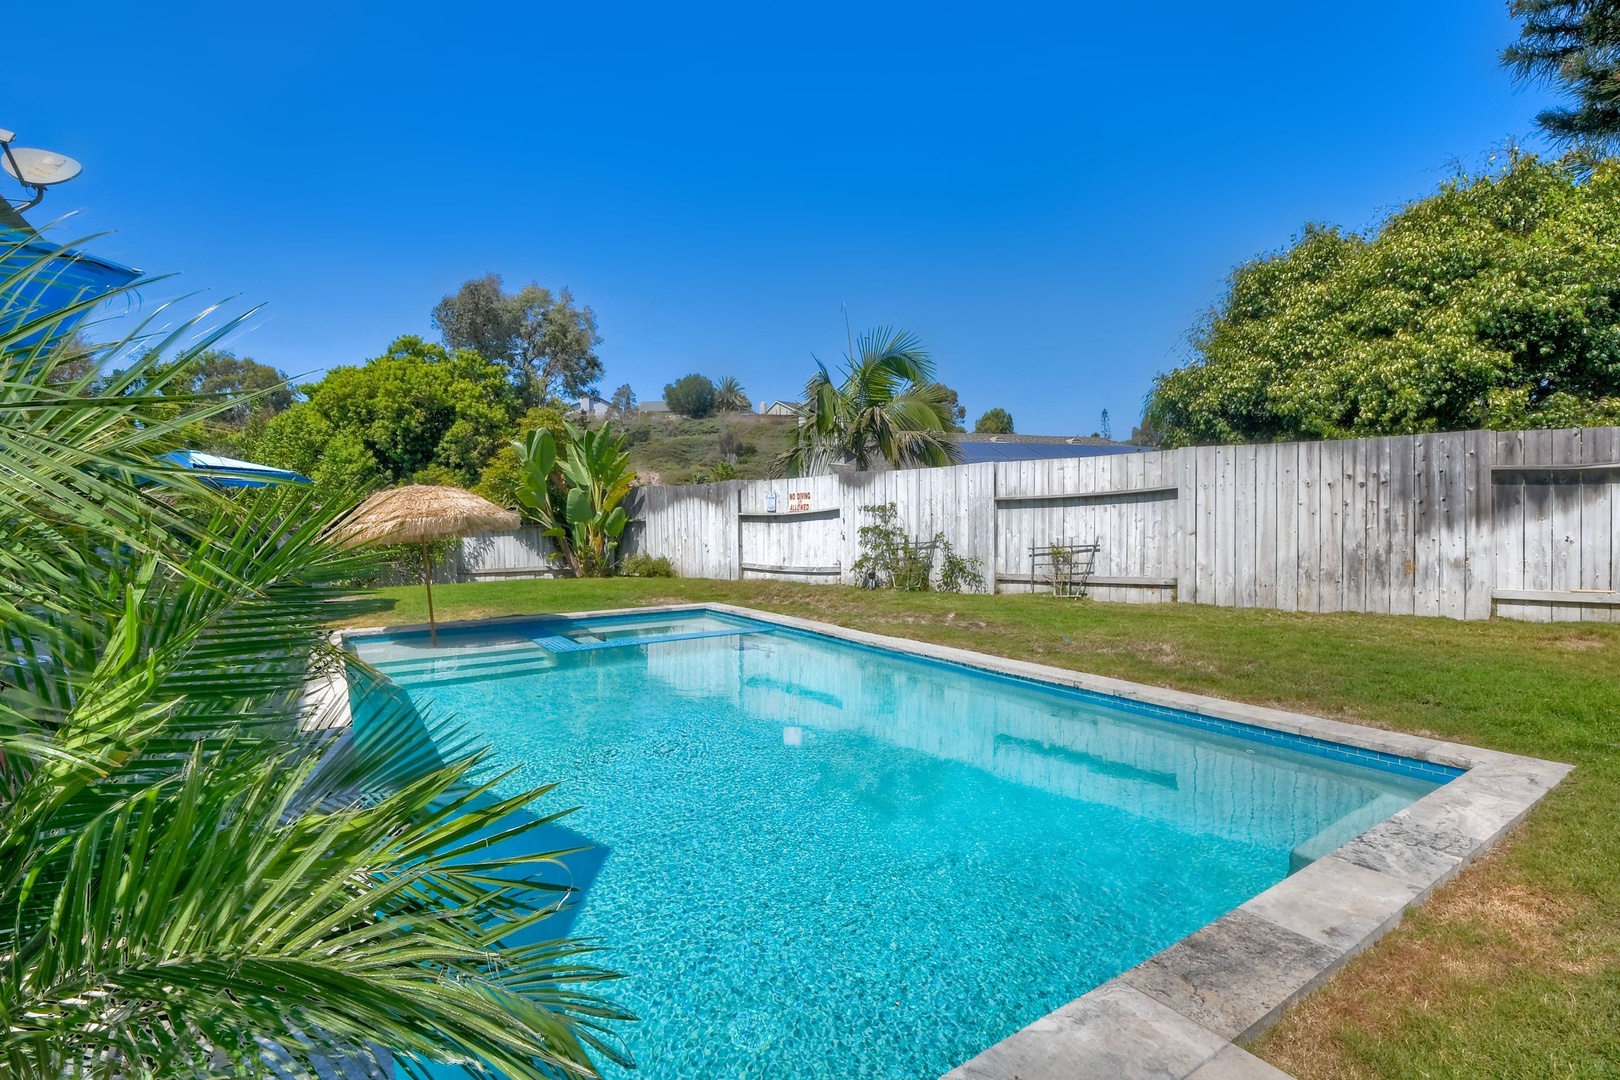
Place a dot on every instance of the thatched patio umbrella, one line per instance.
(419, 514)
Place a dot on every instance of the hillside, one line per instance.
(670, 449)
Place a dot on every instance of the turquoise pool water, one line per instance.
(823, 860)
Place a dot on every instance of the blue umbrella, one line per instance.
(224, 472)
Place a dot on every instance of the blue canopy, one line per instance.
(60, 277)
(224, 472)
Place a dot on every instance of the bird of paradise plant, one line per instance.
(577, 494)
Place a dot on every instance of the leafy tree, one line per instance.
(691, 395)
(1146, 434)
(729, 396)
(623, 401)
(887, 408)
(417, 405)
(192, 878)
(953, 403)
(994, 422)
(252, 389)
(303, 440)
(437, 475)
(1574, 44)
(1493, 303)
(546, 343)
(502, 478)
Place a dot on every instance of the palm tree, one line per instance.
(193, 880)
(888, 407)
(729, 396)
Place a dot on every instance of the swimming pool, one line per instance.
(822, 859)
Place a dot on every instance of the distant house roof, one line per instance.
(977, 449)
(653, 406)
(777, 408)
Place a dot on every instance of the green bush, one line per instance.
(691, 395)
(1493, 303)
(994, 422)
(892, 560)
(641, 565)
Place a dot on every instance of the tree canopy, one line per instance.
(994, 422)
(389, 419)
(254, 390)
(691, 395)
(546, 343)
(1493, 303)
(1573, 44)
(623, 400)
(953, 407)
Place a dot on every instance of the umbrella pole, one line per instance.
(427, 583)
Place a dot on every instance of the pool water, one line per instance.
(817, 859)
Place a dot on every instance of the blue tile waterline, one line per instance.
(829, 859)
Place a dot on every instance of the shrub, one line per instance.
(641, 565)
(892, 560)
(994, 422)
(436, 474)
(691, 395)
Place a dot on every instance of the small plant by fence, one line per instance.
(892, 560)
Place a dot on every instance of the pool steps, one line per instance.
(559, 644)
(513, 661)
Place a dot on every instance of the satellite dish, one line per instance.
(38, 168)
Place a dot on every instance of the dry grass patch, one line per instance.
(1485, 930)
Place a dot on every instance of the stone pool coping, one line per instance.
(1180, 1014)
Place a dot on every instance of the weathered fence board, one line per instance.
(1461, 524)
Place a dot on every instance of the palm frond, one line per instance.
(887, 408)
(192, 882)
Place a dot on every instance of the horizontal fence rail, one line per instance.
(1460, 525)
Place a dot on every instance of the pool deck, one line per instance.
(1180, 1014)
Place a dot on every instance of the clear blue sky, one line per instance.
(1050, 195)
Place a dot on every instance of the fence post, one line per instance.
(995, 528)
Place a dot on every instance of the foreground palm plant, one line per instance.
(888, 408)
(194, 881)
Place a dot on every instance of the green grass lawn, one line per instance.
(1511, 971)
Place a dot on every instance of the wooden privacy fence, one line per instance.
(1457, 525)
(523, 553)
